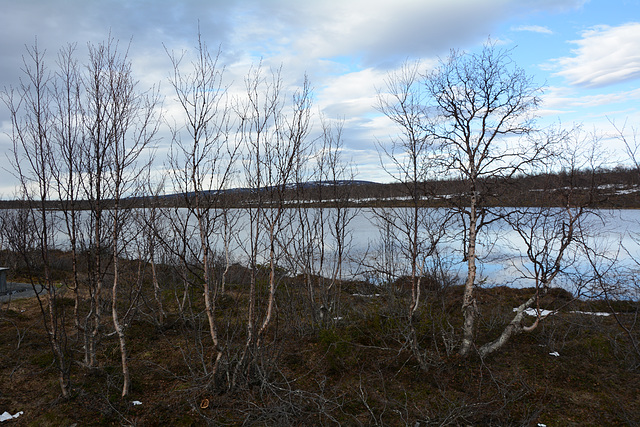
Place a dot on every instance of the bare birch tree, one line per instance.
(322, 236)
(415, 231)
(68, 128)
(94, 161)
(274, 140)
(622, 281)
(31, 108)
(339, 174)
(552, 231)
(202, 163)
(121, 122)
(412, 159)
(477, 106)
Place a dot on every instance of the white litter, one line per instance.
(136, 403)
(542, 425)
(555, 353)
(7, 416)
(366, 296)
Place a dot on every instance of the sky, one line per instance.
(585, 53)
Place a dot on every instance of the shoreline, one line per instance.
(19, 291)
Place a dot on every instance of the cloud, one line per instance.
(604, 56)
(533, 29)
(557, 97)
(350, 94)
(361, 39)
(379, 32)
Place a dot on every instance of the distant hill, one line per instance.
(614, 188)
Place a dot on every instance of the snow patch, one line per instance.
(591, 313)
(534, 312)
(365, 295)
(545, 313)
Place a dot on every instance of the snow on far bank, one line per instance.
(591, 313)
(545, 313)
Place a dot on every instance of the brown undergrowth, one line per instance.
(357, 368)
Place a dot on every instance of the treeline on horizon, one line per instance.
(615, 188)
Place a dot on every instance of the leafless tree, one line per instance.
(68, 131)
(153, 224)
(279, 163)
(616, 281)
(339, 173)
(120, 124)
(552, 232)
(415, 231)
(412, 163)
(306, 251)
(31, 108)
(629, 137)
(273, 139)
(94, 160)
(202, 164)
(322, 236)
(479, 105)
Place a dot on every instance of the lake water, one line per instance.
(501, 252)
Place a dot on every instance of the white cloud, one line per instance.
(605, 56)
(326, 39)
(350, 94)
(557, 97)
(533, 29)
(595, 110)
(380, 32)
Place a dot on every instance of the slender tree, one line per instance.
(120, 125)
(411, 161)
(339, 175)
(68, 131)
(412, 158)
(554, 228)
(202, 165)
(273, 140)
(31, 108)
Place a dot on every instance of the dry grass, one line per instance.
(359, 370)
